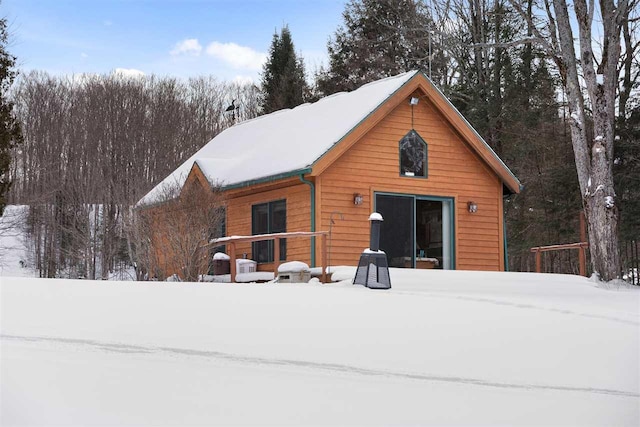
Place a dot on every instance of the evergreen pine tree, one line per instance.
(379, 38)
(283, 75)
(9, 128)
(626, 167)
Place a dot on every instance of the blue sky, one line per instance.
(181, 38)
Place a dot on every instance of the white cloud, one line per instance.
(187, 47)
(107, 23)
(128, 72)
(243, 80)
(84, 55)
(239, 57)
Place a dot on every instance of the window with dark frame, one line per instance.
(267, 218)
(413, 155)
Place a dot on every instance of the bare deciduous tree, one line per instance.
(175, 231)
(94, 145)
(590, 73)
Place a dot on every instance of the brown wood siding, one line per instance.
(162, 262)
(454, 170)
(158, 264)
(422, 87)
(298, 200)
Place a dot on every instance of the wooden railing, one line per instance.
(582, 255)
(233, 240)
(581, 247)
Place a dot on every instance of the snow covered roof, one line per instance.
(283, 141)
(290, 141)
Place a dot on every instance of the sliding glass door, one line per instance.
(417, 230)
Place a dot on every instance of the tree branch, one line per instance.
(525, 40)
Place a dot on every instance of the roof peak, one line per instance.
(331, 96)
(289, 140)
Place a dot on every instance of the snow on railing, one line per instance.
(232, 240)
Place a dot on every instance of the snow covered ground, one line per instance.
(440, 347)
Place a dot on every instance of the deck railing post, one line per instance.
(276, 257)
(583, 228)
(582, 255)
(583, 261)
(323, 276)
(232, 265)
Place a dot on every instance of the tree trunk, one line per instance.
(599, 200)
(593, 160)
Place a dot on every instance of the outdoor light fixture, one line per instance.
(414, 101)
(357, 199)
(472, 207)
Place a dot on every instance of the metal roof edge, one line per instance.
(480, 138)
(364, 119)
(266, 179)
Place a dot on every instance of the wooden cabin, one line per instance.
(396, 146)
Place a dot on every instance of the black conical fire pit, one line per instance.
(373, 269)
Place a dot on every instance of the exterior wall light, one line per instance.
(357, 199)
(472, 207)
(414, 101)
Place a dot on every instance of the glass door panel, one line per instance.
(434, 233)
(429, 236)
(396, 234)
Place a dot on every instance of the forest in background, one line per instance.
(93, 145)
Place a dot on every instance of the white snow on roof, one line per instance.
(284, 141)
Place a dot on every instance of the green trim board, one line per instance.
(309, 168)
(414, 198)
(504, 233)
(506, 250)
(364, 119)
(313, 217)
(466, 123)
(493, 153)
(267, 179)
(413, 78)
